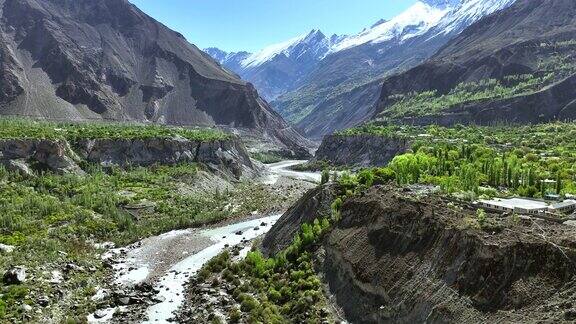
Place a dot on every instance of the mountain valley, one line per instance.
(422, 170)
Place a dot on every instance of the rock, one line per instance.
(73, 267)
(100, 314)
(26, 308)
(239, 233)
(56, 277)
(263, 224)
(6, 248)
(570, 223)
(256, 228)
(15, 276)
(570, 314)
(360, 150)
(144, 287)
(20, 167)
(158, 299)
(43, 301)
(124, 301)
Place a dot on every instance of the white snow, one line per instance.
(468, 12)
(436, 17)
(415, 21)
(270, 52)
(314, 43)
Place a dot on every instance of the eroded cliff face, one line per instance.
(360, 150)
(396, 258)
(227, 158)
(315, 204)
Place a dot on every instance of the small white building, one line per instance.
(528, 206)
(565, 207)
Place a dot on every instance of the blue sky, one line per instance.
(235, 25)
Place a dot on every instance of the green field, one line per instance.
(19, 129)
(531, 161)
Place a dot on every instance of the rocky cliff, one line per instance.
(396, 258)
(106, 59)
(360, 150)
(227, 158)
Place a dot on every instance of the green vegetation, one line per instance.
(530, 161)
(53, 220)
(20, 128)
(267, 158)
(432, 102)
(280, 289)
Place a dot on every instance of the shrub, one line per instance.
(325, 176)
(481, 217)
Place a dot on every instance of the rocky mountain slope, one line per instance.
(343, 89)
(514, 66)
(84, 60)
(395, 257)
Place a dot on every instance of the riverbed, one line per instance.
(168, 261)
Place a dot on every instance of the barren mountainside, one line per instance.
(84, 60)
(514, 66)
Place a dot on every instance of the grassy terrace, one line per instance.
(530, 161)
(20, 128)
(53, 220)
(431, 102)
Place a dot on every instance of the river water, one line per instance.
(170, 259)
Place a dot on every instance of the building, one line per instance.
(565, 207)
(528, 206)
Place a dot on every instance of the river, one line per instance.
(169, 260)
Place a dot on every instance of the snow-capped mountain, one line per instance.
(310, 78)
(413, 22)
(312, 46)
(274, 69)
(468, 12)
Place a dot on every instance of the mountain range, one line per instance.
(323, 84)
(107, 60)
(515, 66)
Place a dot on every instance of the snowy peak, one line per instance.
(468, 12)
(442, 3)
(216, 53)
(311, 46)
(415, 21)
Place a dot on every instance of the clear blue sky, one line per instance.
(234, 25)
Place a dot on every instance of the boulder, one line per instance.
(6, 248)
(15, 276)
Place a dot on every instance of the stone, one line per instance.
(124, 301)
(570, 223)
(43, 301)
(73, 267)
(239, 233)
(158, 299)
(20, 167)
(15, 276)
(6, 248)
(100, 314)
(26, 308)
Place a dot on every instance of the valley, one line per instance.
(422, 170)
